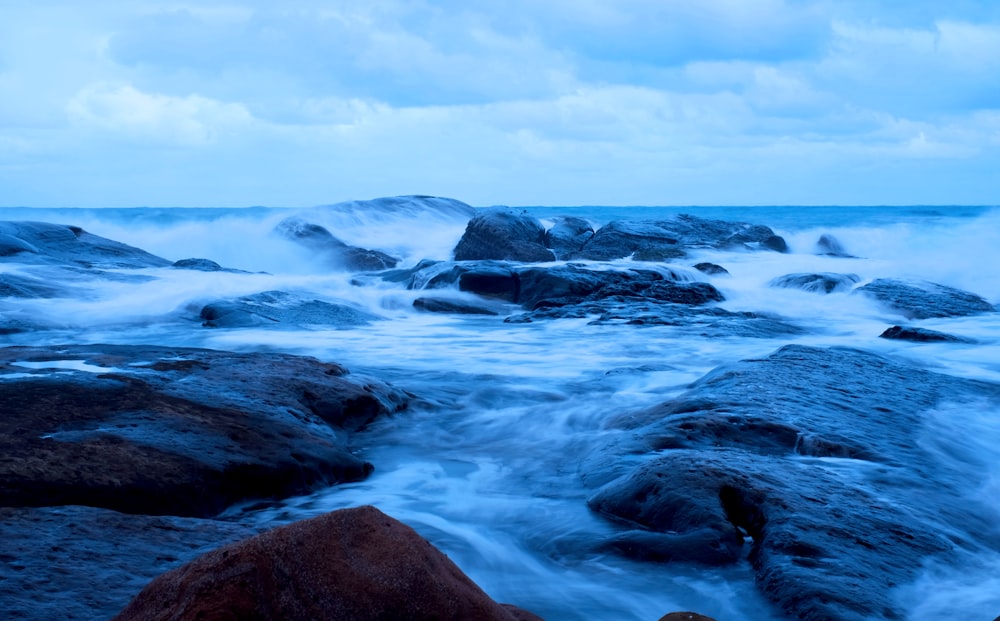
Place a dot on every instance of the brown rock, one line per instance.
(354, 564)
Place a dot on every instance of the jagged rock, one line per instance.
(824, 282)
(746, 452)
(282, 309)
(331, 250)
(59, 244)
(503, 234)
(568, 235)
(921, 335)
(353, 564)
(924, 300)
(663, 240)
(160, 430)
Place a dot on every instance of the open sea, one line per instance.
(487, 465)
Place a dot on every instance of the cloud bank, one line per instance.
(590, 102)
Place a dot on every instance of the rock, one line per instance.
(746, 452)
(17, 286)
(921, 335)
(503, 234)
(282, 309)
(331, 250)
(663, 240)
(178, 431)
(924, 300)
(352, 564)
(830, 246)
(203, 265)
(407, 206)
(77, 562)
(568, 235)
(711, 269)
(443, 305)
(685, 616)
(59, 244)
(824, 282)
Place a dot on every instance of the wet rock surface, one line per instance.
(568, 235)
(921, 335)
(504, 234)
(924, 300)
(817, 283)
(353, 564)
(818, 456)
(58, 244)
(282, 309)
(450, 306)
(330, 250)
(177, 431)
(663, 240)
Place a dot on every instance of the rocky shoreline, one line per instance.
(118, 459)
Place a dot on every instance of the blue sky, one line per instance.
(520, 102)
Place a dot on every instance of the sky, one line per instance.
(124, 103)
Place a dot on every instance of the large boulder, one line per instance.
(663, 240)
(349, 565)
(332, 251)
(178, 431)
(503, 234)
(924, 300)
(568, 235)
(282, 309)
(60, 244)
(818, 458)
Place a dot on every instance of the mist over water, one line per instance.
(487, 463)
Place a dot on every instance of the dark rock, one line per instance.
(177, 431)
(830, 246)
(17, 286)
(711, 269)
(824, 282)
(503, 234)
(744, 452)
(58, 244)
(662, 240)
(331, 250)
(443, 305)
(924, 300)
(568, 235)
(352, 564)
(921, 335)
(77, 562)
(203, 265)
(685, 616)
(282, 309)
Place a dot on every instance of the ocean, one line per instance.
(488, 465)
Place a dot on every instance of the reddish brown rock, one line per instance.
(353, 564)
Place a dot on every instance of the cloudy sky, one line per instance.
(519, 102)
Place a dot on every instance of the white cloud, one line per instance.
(123, 110)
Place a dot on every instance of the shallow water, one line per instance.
(487, 463)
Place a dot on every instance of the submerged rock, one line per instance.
(17, 286)
(203, 265)
(830, 246)
(179, 431)
(711, 269)
(444, 305)
(282, 309)
(353, 564)
(819, 456)
(924, 300)
(921, 335)
(59, 244)
(663, 240)
(824, 282)
(331, 250)
(503, 234)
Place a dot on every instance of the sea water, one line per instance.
(487, 462)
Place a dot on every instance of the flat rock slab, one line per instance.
(60, 244)
(157, 430)
(86, 564)
(283, 309)
(349, 565)
(924, 300)
(821, 457)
